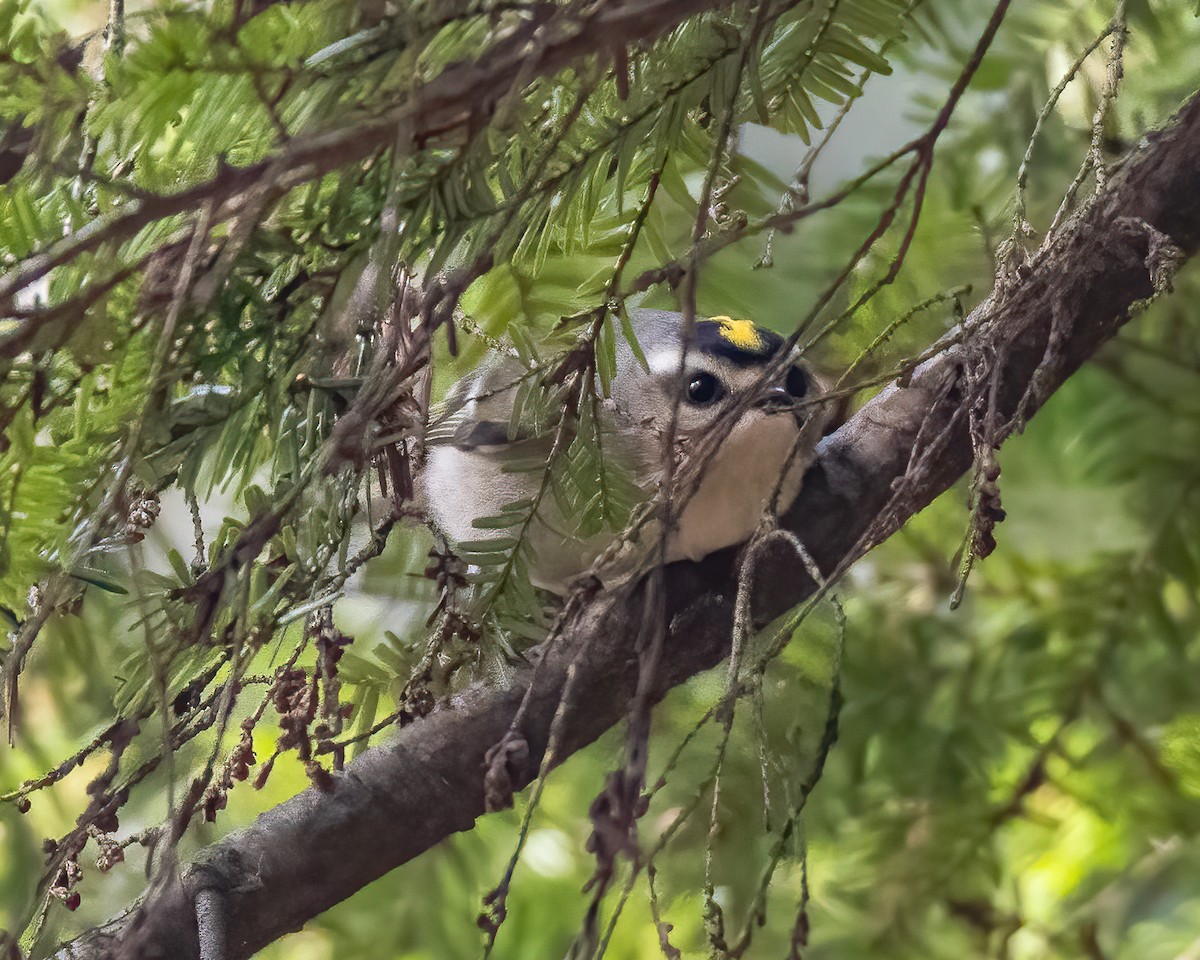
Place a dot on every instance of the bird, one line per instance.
(744, 413)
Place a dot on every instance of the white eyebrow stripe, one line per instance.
(663, 362)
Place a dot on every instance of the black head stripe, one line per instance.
(739, 341)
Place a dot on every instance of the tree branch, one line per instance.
(461, 97)
(905, 447)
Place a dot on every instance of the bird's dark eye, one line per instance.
(797, 382)
(703, 389)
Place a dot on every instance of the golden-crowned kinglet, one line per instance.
(742, 442)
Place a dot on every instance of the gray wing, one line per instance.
(477, 414)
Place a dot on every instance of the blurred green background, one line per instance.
(1019, 778)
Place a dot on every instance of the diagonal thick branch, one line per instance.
(905, 447)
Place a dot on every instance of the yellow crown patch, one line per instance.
(742, 334)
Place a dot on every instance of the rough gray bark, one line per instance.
(899, 452)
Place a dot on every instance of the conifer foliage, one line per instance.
(247, 248)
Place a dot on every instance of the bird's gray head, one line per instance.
(725, 366)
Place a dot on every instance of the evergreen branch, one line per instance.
(463, 96)
(901, 450)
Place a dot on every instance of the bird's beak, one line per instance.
(775, 400)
